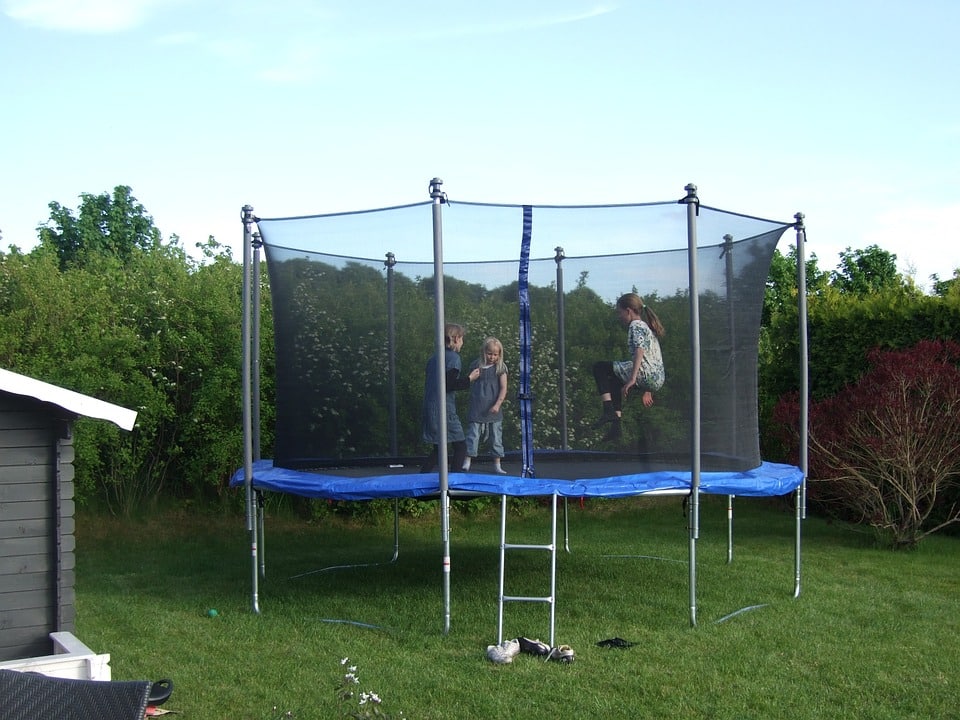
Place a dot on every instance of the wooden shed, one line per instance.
(36, 509)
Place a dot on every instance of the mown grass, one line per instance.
(872, 635)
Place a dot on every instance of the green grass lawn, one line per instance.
(874, 634)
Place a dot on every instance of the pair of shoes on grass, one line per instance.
(506, 651)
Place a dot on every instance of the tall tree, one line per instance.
(106, 226)
(866, 270)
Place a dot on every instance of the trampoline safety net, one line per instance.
(353, 334)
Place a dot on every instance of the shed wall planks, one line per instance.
(36, 526)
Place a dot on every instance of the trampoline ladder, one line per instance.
(550, 599)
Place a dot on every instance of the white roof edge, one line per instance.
(67, 399)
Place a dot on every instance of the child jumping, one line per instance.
(644, 370)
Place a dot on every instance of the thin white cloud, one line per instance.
(521, 23)
(302, 62)
(595, 11)
(85, 16)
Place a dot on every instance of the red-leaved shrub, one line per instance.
(886, 450)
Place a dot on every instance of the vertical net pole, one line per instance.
(439, 198)
(561, 349)
(801, 499)
(256, 243)
(558, 257)
(389, 263)
(248, 220)
(693, 206)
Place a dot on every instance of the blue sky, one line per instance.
(845, 110)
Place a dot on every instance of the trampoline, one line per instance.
(601, 478)
(351, 335)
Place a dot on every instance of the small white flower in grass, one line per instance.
(367, 703)
(369, 697)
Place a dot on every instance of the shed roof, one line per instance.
(67, 399)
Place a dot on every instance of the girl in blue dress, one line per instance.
(485, 411)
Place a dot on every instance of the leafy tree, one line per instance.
(112, 225)
(68, 328)
(866, 270)
(147, 328)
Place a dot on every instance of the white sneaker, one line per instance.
(503, 653)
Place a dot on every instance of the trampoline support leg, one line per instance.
(798, 520)
(261, 535)
(255, 529)
(730, 529)
(396, 530)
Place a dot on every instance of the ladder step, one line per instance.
(511, 546)
(520, 598)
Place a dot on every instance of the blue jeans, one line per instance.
(477, 432)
